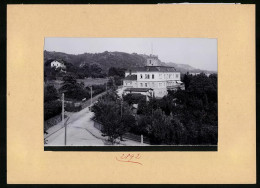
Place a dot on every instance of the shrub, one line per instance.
(51, 109)
(72, 108)
(50, 93)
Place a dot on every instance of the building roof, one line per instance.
(131, 77)
(138, 89)
(152, 69)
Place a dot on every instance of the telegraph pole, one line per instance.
(122, 102)
(91, 94)
(65, 138)
(62, 99)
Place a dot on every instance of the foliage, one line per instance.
(114, 71)
(72, 108)
(52, 106)
(116, 117)
(134, 98)
(72, 89)
(183, 116)
(97, 89)
(51, 109)
(50, 93)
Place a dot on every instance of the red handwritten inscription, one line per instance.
(130, 158)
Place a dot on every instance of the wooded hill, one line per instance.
(106, 60)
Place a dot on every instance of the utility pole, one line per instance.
(122, 107)
(91, 94)
(65, 138)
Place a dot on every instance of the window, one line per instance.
(141, 84)
(141, 76)
(160, 76)
(146, 76)
(145, 84)
(150, 61)
(177, 75)
(152, 76)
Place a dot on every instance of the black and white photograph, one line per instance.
(130, 92)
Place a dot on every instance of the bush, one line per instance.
(134, 98)
(50, 93)
(97, 89)
(51, 109)
(72, 108)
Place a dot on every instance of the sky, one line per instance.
(197, 52)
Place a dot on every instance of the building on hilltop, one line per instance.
(58, 64)
(152, 79)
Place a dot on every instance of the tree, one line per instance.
(186, 80)
(50, 93)
(113, 71)
(159, 127)
(116, 119)
(134, 98)
(96, 71)
(72, 89)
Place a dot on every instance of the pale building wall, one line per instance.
(158, 76)
(130, 83)
(156, 80)
(57, 64)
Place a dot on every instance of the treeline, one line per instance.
(104, 60)
(183, 117)
(85, 71)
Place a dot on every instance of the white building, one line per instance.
(57, 64)
(157, 78)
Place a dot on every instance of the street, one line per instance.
(80, 132)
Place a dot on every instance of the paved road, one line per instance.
(77, 133)
(80, 132)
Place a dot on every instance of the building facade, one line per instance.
(57, 64)
(158, 78)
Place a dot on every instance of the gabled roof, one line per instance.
(152, 69)
(131, 77)
(138, 89)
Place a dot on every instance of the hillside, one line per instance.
(184, 68)
(105, 60)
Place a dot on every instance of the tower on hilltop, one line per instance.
(152, 60)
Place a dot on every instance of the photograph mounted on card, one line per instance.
(140, 92)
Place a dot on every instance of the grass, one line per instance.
(93, 81)
(88, 82)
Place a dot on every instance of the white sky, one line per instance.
(198, 52)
